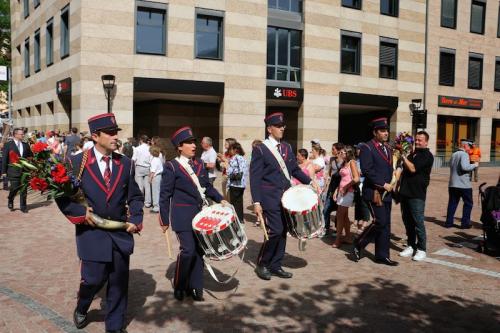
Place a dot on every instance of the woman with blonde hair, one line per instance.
(344, 195)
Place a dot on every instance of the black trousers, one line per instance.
(379, 230)
(236, 199)
(15, 183)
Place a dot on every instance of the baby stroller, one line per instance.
(490, 217)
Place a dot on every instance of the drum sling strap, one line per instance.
(201, 190)
(279, 159)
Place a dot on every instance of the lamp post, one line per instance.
(108, 83)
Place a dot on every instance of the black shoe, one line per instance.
(263, 272)
(448, 225)
(468, 226)
(386, 261)
(196, 295)
(24, 210)
(79, 319)
(281, 273)
(356, 253)
(179, 294)
(10, 205)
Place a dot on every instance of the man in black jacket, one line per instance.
(13, 149)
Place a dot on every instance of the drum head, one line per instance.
(299, 198)
(213, 219)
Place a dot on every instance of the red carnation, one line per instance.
(38, 184)
(13, 157)
(39, 147)
(59, 174)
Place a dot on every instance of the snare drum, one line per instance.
(219, 232)
(303, 212)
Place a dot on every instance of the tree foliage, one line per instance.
(4, 38)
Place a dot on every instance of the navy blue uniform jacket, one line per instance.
(376, 167)
(95, 244)
(180, 200)
(267, 181)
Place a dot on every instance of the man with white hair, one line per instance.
(209, 157)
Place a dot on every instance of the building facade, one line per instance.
(222, 65)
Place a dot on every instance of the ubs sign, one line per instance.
(285, 94)
(460, 102)
(63, 87)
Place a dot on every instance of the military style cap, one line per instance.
(379, 123)
(274, 119)
(181, 135)
(101, 122)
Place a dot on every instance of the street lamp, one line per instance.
(419, 116)
(108, 83)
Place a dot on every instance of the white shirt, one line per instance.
(88, 145)
(156, 166)
(210, 156)
(101, 163)
(273, 142)
(141, 156)
(19, 146)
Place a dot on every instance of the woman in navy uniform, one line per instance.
(180, 200)
(268, 182)
(376, 165)
(109, 187)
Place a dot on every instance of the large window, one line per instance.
(449, 13)
(497, 74)
(284, 50)
(388, 54)
(350, 58)
(288, 5)
(447, 67)
(36, 50)
(389, 7)
(27, 57)
(209, 36)
(150, 28)
(475, 71)
(26, 8)
(478, 11)
(65, 32)
(356, 4)
(49, 43)
(498, 22)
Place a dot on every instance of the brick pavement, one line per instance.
(39, 277)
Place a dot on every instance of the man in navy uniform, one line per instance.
(269, 179)
(376, 165)
(20, 149)
(109, 187)
(183, 191)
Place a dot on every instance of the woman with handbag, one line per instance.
(236, 167)
(344, 195)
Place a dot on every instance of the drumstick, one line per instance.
(169, 245)
(263, 225)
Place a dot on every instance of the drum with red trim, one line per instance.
(303, 212)
(219, 232)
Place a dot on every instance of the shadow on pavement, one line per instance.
(379, 305)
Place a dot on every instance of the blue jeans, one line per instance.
(454, 195)
(412, 211)
(330, 206)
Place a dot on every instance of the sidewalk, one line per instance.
(456, 290)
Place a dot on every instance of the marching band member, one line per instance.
(109, 187)
(273, 163)
(183, 191)
(376, 165)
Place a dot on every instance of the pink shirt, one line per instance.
(345, 177)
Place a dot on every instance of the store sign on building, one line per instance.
(286, 94)
(460, 102)
(63, 87)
